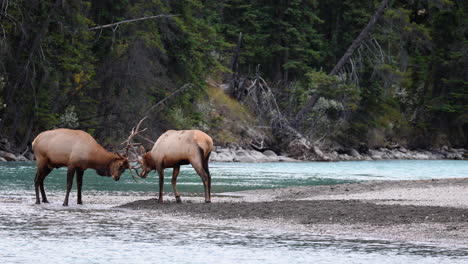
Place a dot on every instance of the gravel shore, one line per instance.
(426, 211)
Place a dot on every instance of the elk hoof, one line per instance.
(65, 204)
(45, 201)
(37, 202)
(178, 200)
(207, 201)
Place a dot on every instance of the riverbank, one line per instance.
(223, 154)
(240, 154)
(427, 211)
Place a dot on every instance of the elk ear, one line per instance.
(115, 150)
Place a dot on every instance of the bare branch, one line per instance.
(309, 105)
(26, 150)
(130, 20)
(362, 36)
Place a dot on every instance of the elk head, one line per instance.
(118, 166)
(146, 163)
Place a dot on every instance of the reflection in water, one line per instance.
(100, 233)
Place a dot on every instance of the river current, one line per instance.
(101, 233)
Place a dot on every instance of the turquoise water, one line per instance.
(100, 233)
(244, 176)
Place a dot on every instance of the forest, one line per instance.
(258, 74)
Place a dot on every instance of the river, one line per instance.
(97, 232)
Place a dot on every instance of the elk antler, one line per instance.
(130, 145)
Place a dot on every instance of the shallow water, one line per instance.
(100, 233)
(229, 177)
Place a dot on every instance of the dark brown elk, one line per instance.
(76, 150)
(176, 148)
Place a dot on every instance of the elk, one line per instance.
(176, 148)
(76, 150)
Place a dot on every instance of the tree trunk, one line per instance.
(257, 94)
(358, 41)
(234, 63)
(307, 108)
(22, 75)
(349, 52)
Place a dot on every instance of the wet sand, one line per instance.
(427, 211)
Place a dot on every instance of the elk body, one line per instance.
(176, 148)
(76, 150)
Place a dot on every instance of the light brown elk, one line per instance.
(176, 148)
(76, 150)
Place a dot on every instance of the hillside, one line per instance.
(298, 76)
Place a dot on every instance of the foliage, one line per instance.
(336, 101)
(2, 84)
(280, 36)
(69, 119)
(406, 84)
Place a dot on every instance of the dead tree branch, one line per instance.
(129, 21)
(257, 94)
(361, 37)
(341, 63)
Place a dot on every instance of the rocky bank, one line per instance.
(239, 154)
(223, 154)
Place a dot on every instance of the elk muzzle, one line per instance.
(116, 177)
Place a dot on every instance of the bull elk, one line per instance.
(76, 150)
(176, 148)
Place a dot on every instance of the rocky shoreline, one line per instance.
(239, 154)
(223, 154)
(7, 154)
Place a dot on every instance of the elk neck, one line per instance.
(101, 162)
(149, 161)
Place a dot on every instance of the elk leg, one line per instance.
(79, 183)
(206, 181)
(36, 186)
(41, 173)
(70, 174)
(45, 172)
(175, 173)
(161, 184)
(207, 170)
